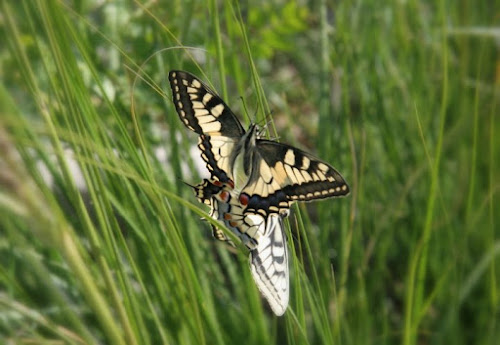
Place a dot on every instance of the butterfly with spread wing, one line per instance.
(253, 181)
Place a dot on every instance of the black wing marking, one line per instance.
(217, 212)
(201, 109)
(283, 174)
(209, 192)
(204, 112)
(265, 237)
(269, 265)
(206, 190)
(216, 152)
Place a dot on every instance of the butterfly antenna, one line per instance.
(187, 184)
(264, 124)
(268, 126)
(245, 109)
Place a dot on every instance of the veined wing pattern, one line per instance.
(263, 236)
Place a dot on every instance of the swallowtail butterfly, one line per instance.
(253, 180)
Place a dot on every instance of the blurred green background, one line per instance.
(102, 243)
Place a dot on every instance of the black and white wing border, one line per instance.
(283, 174)
(202, 111)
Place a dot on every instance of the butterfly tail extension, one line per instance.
(269, 265)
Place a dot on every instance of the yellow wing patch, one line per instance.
(216, 152)
(286, 174)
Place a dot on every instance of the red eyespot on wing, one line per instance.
(233, 224)
(224, 196)
(217, 183)
(227, 216)
(244, 199)
(230, 183)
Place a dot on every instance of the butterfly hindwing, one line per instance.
(216, 152)
(284, 174)
(226, 208)
(264, 236)
(209, 193)
(217, 212)
(269, 265)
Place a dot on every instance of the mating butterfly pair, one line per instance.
(253, 182)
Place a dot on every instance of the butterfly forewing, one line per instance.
(201, 109)
(203, 112)
(284, 174)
